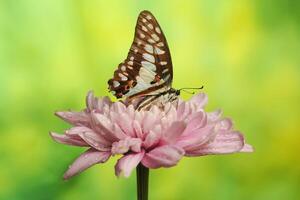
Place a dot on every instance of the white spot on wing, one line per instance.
(123, 78)
(163, 63)
(149, 48)
(161, 44)
(157, 30)
(159, 51)
(144, 28)
(148, 65)
(116, 84)
(142, 35)
(130, 63)
(165, 70)
(148, 17)
(149, 57)
(123, 68)
(167, 77)
(155, 37)
(131, 58)
(150, 26)
(144, 20)
(151, 41)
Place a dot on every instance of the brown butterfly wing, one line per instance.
(148, 66)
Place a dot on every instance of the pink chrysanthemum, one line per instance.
(158, 137)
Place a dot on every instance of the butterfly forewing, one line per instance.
(148, 66)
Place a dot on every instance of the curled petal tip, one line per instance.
(55, 136)
(58, 113)
(65, 177)
(247, 148)
(61, 114)
(51, 135)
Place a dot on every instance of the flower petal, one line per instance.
(123, 146)
(101, 124)
(90, 137)
(127, 163)
(224, 143)
(183, 110)
(135, 144)
(130, 111)
(68, 139)
(118, 107)
(197, 137)
(137, 129)
(89, 100)
(125, 123)
(151, 139)
(97, 104)
(74, 118)
(224, 124)
(170, 116)
(171, 112)
(148, 122)
(118, 132)
(76, 130)
(86, 160)
(214, 116)
(174, 131)
(200, 100)
(163, 156)
(95, 140)
(155, 110)
(196, 121)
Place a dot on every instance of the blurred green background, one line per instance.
(245, 52)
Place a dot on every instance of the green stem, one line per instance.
(142, 177)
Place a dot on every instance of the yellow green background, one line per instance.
(246, 53)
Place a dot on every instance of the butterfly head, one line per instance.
(174, 91)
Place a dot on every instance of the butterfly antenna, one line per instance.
(187, 91)
(190, 88)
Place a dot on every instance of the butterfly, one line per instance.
(147, 71)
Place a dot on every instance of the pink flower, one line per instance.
(156, 137)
